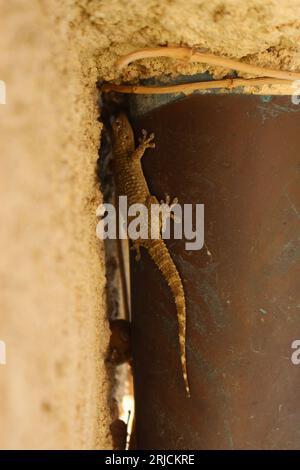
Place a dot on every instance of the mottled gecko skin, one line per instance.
(130, 182)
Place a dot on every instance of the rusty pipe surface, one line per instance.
(239, 155)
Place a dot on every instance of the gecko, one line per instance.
(131, 182)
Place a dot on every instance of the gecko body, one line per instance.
(131, 182)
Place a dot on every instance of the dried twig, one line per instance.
(190, 87)
(193, 55)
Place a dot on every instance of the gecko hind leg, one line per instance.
(171, 204)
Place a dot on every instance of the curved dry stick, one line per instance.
(190, 87)
(192, 55)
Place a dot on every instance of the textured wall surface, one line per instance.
(54, 389)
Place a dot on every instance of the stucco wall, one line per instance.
(54, 388)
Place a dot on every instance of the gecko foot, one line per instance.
(147, 141)
(144, 143)
(171, 204)
(168, 200)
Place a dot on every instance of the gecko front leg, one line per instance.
(145, 142)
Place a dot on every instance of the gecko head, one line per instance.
(122, 132)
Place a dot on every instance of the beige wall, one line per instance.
(53, 390)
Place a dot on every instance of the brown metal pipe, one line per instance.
(239, 155)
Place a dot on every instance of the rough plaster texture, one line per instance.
(54, 389)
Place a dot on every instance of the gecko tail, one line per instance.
(159, 253)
